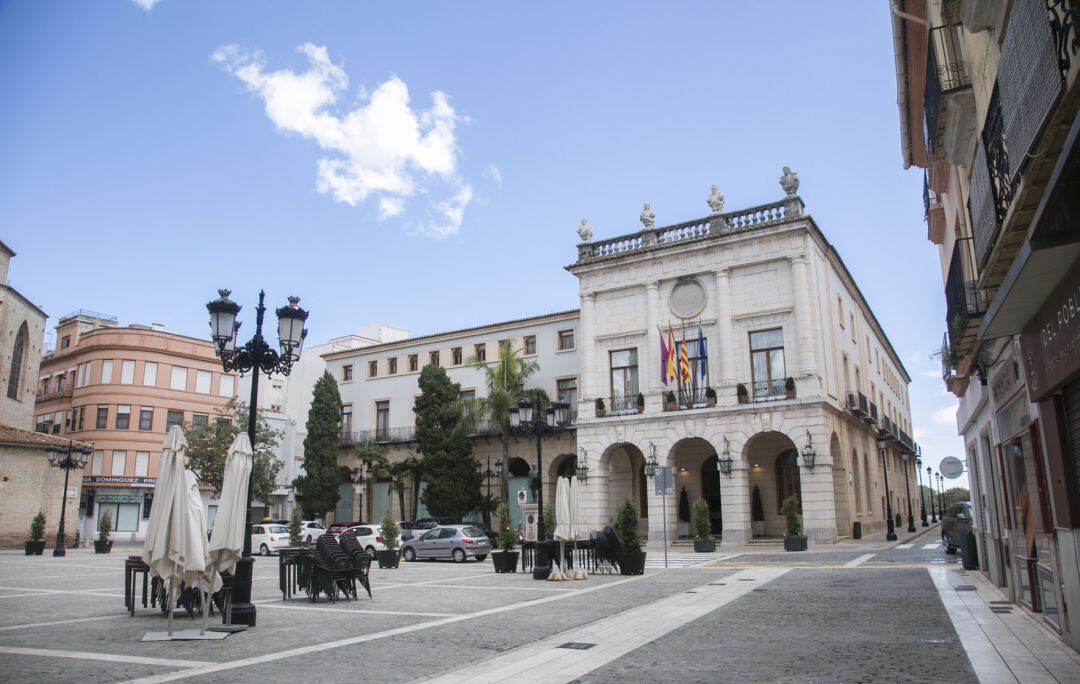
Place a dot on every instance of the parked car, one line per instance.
(492, 535)
(310, 530)
(370, 537)
(432, 523)
(337, 528)
(267, 538)
(955, 525)
(406, 528)
(452, 542)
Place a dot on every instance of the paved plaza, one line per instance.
(854, 612)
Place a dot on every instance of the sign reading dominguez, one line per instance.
(116, 479)
(1050, 341)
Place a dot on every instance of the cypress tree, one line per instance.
(318, 486)
(452, 477)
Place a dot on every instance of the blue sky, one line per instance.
(151, 156)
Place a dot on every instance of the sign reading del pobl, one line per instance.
(1051, 340)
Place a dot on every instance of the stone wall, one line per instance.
(28, 484)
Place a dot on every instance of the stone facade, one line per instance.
(23, 323)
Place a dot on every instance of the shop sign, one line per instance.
(1050, 342)
(114, 479)
(119, 498)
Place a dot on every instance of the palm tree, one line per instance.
(505, 383)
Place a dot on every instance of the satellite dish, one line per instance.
(951, 467)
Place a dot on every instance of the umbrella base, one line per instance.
(185, 635)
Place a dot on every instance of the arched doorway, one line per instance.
(697, 473)
(840, 489)
(710, 492)
(772, 459)
(621, 473)
(517, 480)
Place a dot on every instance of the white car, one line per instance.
(310, 530)
(370, 537)
(267, 538)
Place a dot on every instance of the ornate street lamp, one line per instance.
(725, 459)
(808, 453)
(254, 356)
(882, 443)
(930, 485)
(907, 489)
(583, 466)
(651, 463)
(941, 493)
(70, 458)
(525, 421)
(922, 495)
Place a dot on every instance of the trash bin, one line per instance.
(856, 530)
(969, 552)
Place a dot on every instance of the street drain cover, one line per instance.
(690, 591)
(717, 584)
(760, 589)
(937, 641)
(1000, 610)
(746, 579)
(576, 646)
(965, 587)
(1001, 603)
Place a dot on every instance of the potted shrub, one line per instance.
(789, 388)
(640, 403)
(710, 397)
(631, 558)
(794, 539)
(294, 528)
(36, 545)
(104, 525)
(506, 559)
(669, 401)
(757, 513)
(742, 393)
(703, 539)
(390, 535)
(601, 411)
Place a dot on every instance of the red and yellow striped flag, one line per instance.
(684, 362)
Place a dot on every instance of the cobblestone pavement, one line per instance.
(830, 614)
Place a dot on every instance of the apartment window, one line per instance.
(102, 417)
(226, 386)
(414, 362)
(173, 417)
(624, 379)
(455, 355)
(373, 369)
(123, 417)
(127, 372)
(391, 366)
(382, 419)
(98, 462)
(15, 376)
(82, 415)
(106, 372)
(840, 310)
(67, 421)
(124, 515)
(119, 463)
(480, 352)
(433, 358)
(202, 382)
(505, 344)
(346, 372)
(80, 378)
(142, 463)
(853, 328)
(200, 420)
(346, 419)
(178, 381)
(65, 341)
(149, 374)
(566, 340)
(58, 418)
(767, 363)
(530, 344)
(566, 390)
(146, 418)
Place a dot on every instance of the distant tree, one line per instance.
(317, 488)
(956, 494)
(449, 470)
(208, 448)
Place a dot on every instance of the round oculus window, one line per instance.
(688, 299)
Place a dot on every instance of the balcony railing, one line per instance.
(946, 72)
(873, 413)
(379, 436)
(768, 390)
(50, 394)
(690, 398)
(622, 405)
(906, 442)
(963, 300)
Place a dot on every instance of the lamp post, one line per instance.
(582, 469)
(907, 489)
(725, 459)
(808, 453)
(256, 355)
(930, 484)
(488, 476)
(362, 475)
(650, 471)
(525, 421)
(922, 495)
(941, 493)
(890, 535)
(71, 458)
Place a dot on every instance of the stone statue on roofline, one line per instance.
(789, 181)
(716, 201)
(648, 218)
(584, 231)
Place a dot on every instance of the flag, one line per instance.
(703, 356)
(684, 361)
(670, 354)
(663, 357)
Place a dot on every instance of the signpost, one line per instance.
(951, 467)
(665, 487)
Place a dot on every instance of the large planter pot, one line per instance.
(790, 394)
(388, 559)
(631, 563)
(670, 405)
(35, 548)
(704, 545)
(641, 408)
(601, 413)
(505, 561)
(794, 543)
(744, 399)
(757, 527)
(102, 546)
(710, 402)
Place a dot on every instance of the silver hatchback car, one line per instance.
(454, 542)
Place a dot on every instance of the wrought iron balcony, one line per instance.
(873, 413)
(857, 404)
(44, 395)
(690, 398)
(946, 74)
(964, 303)
(768, 390)
(623, 404)
(378, 436)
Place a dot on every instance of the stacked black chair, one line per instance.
(604, 547)
(317, 575)
(339, 565)
(360, 559)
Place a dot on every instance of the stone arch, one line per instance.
(772, 463)
(695, 465)
(621, 474)
(840, 488)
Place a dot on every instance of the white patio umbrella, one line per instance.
(227, 538)
(564, 530)
(579, 530)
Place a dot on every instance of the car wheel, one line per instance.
(458, 555)
(371, 551)
(949, 548)
(264, 550)
(309, 539)
(408, 554)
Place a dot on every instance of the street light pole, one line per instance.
(907, 489)
(922, 495)
(255, 356)
(930, 486)
(70, 459)
(890, 535)
(941, 493)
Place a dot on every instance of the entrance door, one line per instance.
(710, 491)
(344, 510)
(380, 501)
(517, 484)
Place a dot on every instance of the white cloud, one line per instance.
(494, 174)
(381, 147)
(932, 374)
(146, 4)
(946, 416)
